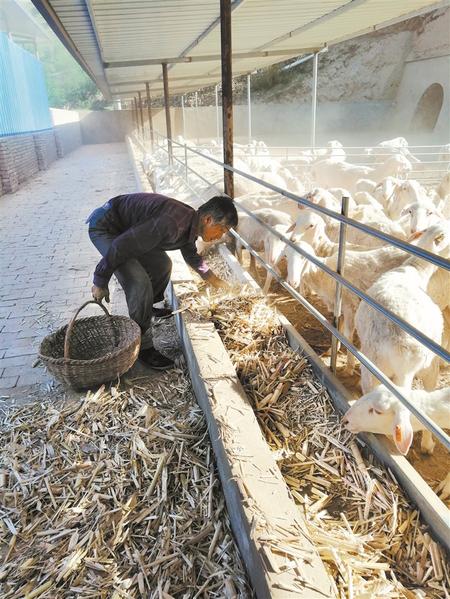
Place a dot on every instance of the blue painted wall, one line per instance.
(23, 94)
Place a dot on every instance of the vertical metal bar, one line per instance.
(196, 117)
(184, 117)
(141, 114)
(185, 163)
(227, 92)
(314, 100)
(338, 295)
(216, 89)
(149, 110)
(167, 107)
(135, 115)
(249, 102)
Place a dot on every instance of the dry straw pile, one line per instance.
(368, 535)
(116, 497)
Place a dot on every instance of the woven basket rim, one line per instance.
(106, 357)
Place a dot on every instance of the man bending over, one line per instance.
(133, 232)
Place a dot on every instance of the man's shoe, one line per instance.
(152, 358)
(162, 312)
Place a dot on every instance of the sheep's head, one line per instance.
(421, 216)
(436, 239)
(308, 226)
(381, 412)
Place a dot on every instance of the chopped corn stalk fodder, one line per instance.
(116, 497)
(368, 535)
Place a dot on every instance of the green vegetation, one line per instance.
(68, 86)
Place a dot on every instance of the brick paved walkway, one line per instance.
(46, 258)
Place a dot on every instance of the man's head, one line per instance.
(217, 216)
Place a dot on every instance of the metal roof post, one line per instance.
(141, 115)
(314, 99)
(227, 92)
(167, 107)
(183, 118)
(149, 110)
(135, 114)
(216, 91)
(196, 118)
(249, 102)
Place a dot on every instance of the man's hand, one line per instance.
(100, 293)
(217, 282)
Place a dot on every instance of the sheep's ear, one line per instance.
(439, 238)
(402, 431)
(405, 210)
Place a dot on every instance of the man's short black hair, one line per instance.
(221, 209)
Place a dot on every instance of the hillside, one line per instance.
(369, 67)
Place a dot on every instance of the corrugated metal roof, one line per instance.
(108, 32)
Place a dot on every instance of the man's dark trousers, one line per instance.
(143, 279)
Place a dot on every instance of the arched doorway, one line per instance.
(428, 109)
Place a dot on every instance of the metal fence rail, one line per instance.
(428, 256)
(429, 170)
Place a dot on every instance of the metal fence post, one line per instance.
(338, 296)
(314, 100)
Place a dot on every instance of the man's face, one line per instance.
(211, 231)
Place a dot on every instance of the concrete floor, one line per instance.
(47, 260)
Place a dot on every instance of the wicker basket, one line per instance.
(92, 350)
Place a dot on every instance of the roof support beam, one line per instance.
(135, 114)
(141, 114)
(167, 107)
(208, 57)
(227, 93)
(149, 110)
(142, 81)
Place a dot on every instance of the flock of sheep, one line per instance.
(384, 197)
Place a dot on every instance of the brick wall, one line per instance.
(45, 147)
(18, 161)
(68, 138)
(22, 156)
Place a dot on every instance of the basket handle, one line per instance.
(72, 324)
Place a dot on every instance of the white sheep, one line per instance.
(274, 248)
(366, 214)
(253, 232)
(402, 290)
(364, 198)
(379, 411)
(409, 192)
(385, 190)
(444, 207)
(443, 189)
(244, 186)
(334, 149)
(419, 216)
(332, 173)
(270, 200)
(397, 145)
(365, 185)
(362, 268)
